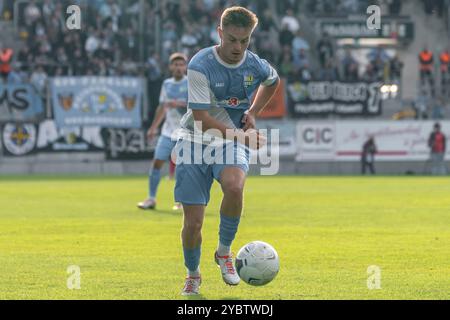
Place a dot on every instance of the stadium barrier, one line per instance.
(337, 141)
(325, 98)
(304, 147)
(30, 142)
(113, 102)
(20, 103)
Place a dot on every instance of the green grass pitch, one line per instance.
(327, 231)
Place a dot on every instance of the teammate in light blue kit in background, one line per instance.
(172, 106)
(222, 81)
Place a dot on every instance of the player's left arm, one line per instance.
(265, 92)
(177, 104)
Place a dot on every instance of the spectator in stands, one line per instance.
(129, 67)
(169, 38)
(395, 7)
(32, 13)
(329, 72)
(380, 61)
(189, 40)
(348, 6)
(110, 9)
(129, 44)
(437, 112)
(370, 74)
(6, 55)
(437, 145)
(92, 42)
(48, 8)
(283, 5)
(114, 19)
(395, 68)
(368, 156)
(154, 76)
(444, 59)
(350, 67)
(79, 62)
(291, 21)
(39, 80)
(325, 49)
(298, 44)
(267, 22)
(286, 65)
(421, 105)
(24, 56)
(426, 68)
(204, 29)
(301, 60)
(286, 36)
(304, 74)
(61, 57)
(431, 6)
(7, 9)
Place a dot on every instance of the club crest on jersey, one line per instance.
(233, 102)
(248, 80)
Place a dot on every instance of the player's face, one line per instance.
(178, 68)
(234, 42)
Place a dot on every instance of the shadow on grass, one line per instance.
(201, 297)
(176, 213)
(196, 297)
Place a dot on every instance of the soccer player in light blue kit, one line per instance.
(172, 106)
(222, 80)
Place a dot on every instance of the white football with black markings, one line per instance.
(257, 263)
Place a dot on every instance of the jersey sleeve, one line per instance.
(270, 75)
(199, 96)
(163, 94)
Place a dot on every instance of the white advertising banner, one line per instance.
(286, 134)
(343, 140)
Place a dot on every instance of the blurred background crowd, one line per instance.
(136, 37)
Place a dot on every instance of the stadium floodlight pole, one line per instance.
(145, 108)
(141, 30)
(17, 3)
(157, 26)
(48, 105)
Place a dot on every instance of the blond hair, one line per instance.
(238, 17)
(177, 56)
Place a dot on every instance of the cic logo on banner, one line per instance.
(316, 140)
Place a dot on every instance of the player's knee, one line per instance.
(233, 189)
(193, 226)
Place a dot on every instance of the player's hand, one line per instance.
(151, 133)
(254, 139)
(249, 121)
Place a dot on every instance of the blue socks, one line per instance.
(192, 259)
(227, 229)
(154, 176)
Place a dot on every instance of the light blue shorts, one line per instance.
(194, 179)
(164, 148)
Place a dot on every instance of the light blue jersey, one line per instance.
(173, 90)
(225, 90)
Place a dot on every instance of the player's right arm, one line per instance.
(199, 101)
(159, 117)
(160, 113)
